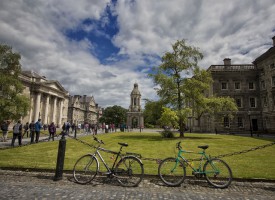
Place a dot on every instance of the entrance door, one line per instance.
(254, 124)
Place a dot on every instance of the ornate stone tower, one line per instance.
(135, 115)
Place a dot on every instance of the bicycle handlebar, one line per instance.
(99, 141)
(178, 146)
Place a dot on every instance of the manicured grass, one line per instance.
(254, 164)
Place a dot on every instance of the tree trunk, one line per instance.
(181, 127)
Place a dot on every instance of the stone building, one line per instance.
(265, 65)
(253, 88)
(83, 109)
(49, 100)
(241, 83)
(135, 115)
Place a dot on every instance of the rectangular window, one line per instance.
(252, 102)
(240, 122)
(251, 85)
(224, 86)
(263, 85)
(272, 66)
(237, 85)
(265, 101)
(238, 102)
(226, 122)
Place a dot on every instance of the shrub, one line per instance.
(167, 134)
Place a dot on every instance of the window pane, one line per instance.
(252, 102)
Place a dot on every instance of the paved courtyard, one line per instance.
(40, 185)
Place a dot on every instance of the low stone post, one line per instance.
(60, 158)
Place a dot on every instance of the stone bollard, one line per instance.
(60, 158)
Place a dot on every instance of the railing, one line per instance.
(231, 68)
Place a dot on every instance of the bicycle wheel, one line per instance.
(171, 173)
(217, 173)
(129, 171)
(85, 169)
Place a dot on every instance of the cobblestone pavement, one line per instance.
(40, 185)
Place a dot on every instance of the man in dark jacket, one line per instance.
(32, 130)
(17, 133)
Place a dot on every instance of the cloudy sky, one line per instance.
(101, 48)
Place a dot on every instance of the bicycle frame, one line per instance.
(199, 170)
(97, 153)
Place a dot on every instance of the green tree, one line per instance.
(13, 104)
(171, 74)
(196, 94)
(169, 117)
(115, 114)
(152, 112)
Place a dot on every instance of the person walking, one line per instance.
(52, 131)
(38, 127)
(32, 131)
(17, 133)
(4, 128)
(26, 130)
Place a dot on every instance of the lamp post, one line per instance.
(251, 133)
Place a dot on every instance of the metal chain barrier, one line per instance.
(246, 151)
(158, 160)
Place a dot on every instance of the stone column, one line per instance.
(37, 106)
(31, 109)
(46, 110)
(54, 110)
(60, 113)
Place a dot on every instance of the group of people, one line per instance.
(29, 129)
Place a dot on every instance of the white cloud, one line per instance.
(240, 30)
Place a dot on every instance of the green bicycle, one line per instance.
(172, 171)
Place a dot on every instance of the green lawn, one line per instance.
(254, 164)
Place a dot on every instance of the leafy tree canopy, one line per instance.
(13, 104)
(115, 114)
(170, 76)
(152, 112)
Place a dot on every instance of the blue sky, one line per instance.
(101, 48)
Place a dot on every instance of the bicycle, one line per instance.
(128, 170)
(172, 171)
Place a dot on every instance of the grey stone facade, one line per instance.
(253, 88)
(83, 109)
(48, 99)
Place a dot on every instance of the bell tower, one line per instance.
(135, 100)
(135, 114)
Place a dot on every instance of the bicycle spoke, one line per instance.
(218, 173)
(171, 173)
(85, 169)
(129, 171)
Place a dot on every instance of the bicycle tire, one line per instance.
(85, 169)
(129, 171)
(170, 178)
(217, 173)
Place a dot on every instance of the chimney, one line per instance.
(227, 61)
(273, 41)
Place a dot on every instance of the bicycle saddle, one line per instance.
(203, 147)
(123, 144)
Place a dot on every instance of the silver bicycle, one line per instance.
(127, 169)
